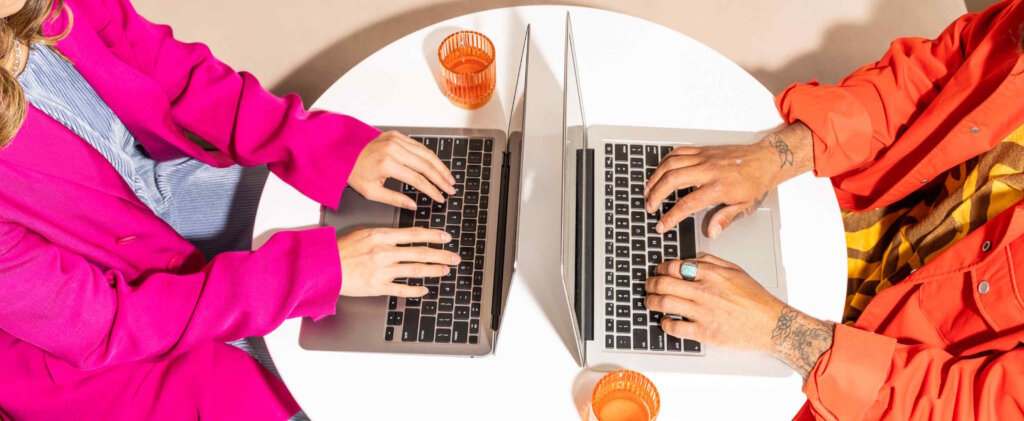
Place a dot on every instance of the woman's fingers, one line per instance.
(409, 235)
(426, 168)
(404, 291)
(423, 255)
(413, 178)
(379, 193)
(667, 164)
(416, 270)
(430, 157)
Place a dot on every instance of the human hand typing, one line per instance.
(394, 155)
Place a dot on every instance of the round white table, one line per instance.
(632, 72)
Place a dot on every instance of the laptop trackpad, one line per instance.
(356, 212)
(750, 243)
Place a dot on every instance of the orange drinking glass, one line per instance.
(625, 395)
(467, 68)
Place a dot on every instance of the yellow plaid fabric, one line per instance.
(885, 245)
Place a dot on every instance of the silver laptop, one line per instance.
(609, 244)
(462, 312)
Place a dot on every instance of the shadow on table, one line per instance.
(315, 75)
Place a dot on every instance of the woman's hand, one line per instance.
(371, 259)
(736, 176)
(393, 155)
(725, 307)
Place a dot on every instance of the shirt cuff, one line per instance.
(848, 377)
(840, 127)
(323, 263)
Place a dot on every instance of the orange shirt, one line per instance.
(945, 343)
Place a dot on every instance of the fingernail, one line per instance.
(441, 199)
(424, 290)
(446, 237)
(451, 179)
(714, 231)
(409, 204)
(447, 270)
(456, 258)
(660, 228)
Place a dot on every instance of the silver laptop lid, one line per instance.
(576, 191)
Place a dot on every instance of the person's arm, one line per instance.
(855, 120)
(312, 151)
(91, 317)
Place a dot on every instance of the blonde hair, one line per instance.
(25, 26)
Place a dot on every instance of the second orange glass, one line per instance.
(467, 68)
(625, 395)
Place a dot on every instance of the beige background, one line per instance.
(305, 45)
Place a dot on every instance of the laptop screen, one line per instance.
(577, 193)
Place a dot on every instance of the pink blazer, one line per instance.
(105, 311)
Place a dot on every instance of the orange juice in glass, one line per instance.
(467, 68)
(625, 395)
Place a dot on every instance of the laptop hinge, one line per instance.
(584, 299)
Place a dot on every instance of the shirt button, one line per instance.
(925, 181)
(986, 246)
(983, 287)
(975, 130)
(126, 239)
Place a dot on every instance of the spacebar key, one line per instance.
(411, 327)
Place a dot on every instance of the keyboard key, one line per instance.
(437, 221)
(429, 308)
(447, 289)
(638, 304)
(639, 338)
(444, 319)
(443, 336)
(477, 294)
(674, 343)
(389, 334)
(651, 155)
(622, 281)
(392, 303)
(621, 169)
(609, 294)
(446, 305)
(488, 145)
(463, 282)
(394, 318)
(412, 302)
(609, 325)
(461, 147)
(476, 157)
(622, 326)
(473, 172)
(478, 278)
(460, 332)
(458, 164)
(426, 329)
(461, 312)
(640, 319)
(609, 341)
(411, 326)
(462, 297)
(622, 342)
(444, 148)
(622, 311)
(690, 345)
(476, 144)
(406, 218)
(639, 289)
(454, 218)
(622, 296)
(455, 204)
(621, 237)
(657, 338)
(656, 317)
(472, 339)
(474, 310)
(474, 326)
(609, 309)
(478, 262)
(687, 239)
(621, 152)
(621, 209)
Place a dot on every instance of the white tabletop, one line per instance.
(633, 72)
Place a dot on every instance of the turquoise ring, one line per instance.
(688, 271)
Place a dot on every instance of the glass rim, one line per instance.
(465, 32)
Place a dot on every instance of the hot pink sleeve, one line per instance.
(92, 318)
(312, 151)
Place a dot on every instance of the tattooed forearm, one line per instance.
(785, 154)
(800, 340)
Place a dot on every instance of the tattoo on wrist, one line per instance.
(799, 340)
(785, 154)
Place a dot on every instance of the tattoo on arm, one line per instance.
(785, 154)
(800, 340)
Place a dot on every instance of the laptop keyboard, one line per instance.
(633, 249)
(450, 312)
